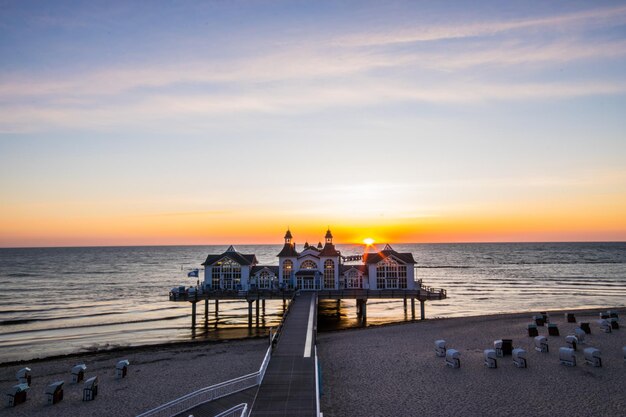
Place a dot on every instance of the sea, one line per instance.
(57, 301)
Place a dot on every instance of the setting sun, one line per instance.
(368, 241)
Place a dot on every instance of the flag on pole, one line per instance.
(193, 274)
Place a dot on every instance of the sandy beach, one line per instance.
(156, 375)
(378, 371)
(393, 371)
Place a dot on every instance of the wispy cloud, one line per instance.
(158, 108)
(594, 17)
(311, 75)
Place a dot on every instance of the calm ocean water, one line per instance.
(64, 300)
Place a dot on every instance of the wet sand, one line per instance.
(393, 371)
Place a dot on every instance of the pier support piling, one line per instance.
(257, 312)
(364, 311)
(250, 313)
(193, 315)
(206, 311)
(423, 310)
(412, 308)
(217, 308)
(404, 301)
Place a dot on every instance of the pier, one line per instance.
(256, 299)
(289, 386)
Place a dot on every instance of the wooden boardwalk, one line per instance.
(288, 388)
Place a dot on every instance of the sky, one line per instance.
(220, 122)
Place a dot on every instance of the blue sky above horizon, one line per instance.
(228, 114)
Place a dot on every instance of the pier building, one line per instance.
(320, 267)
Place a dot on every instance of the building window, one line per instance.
(215, 277)
(308, 265)
(265, 280)
(287, 270)
(329, 274)
(226, 274)
(390, 274)
(354, 279)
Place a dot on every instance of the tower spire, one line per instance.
(329, 236)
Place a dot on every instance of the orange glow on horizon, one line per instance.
(533, 221)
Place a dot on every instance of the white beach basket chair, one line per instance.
(567, 356)
(121, 369)
(571, 341)
(580, 335)
(78, 373)
(490, 358)
(90, 389)
(519, 358)
(541, 344)
(593, 357)
(605, 326)
(440, 348)
(23, 376)
(453, 358)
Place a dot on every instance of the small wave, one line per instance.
(24, 321)
(566, 262)
(82, 326)
(445, 266)
(21, 274)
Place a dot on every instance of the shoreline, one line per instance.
(191, 343)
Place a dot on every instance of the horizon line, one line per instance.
(342, 243)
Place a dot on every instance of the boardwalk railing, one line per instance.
(240, 410)
(317, 385)
(420, 291)
(425, 293)
(204, 395)
(220, 390)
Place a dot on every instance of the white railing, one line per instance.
(211, 393)
(240, 410)
(220, 390)
(317, 386)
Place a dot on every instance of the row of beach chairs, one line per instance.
(54, 391)
(608, 321)
(567, 355)
(501, 348)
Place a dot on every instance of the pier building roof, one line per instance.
(372, 258)
(361, 268)
(289, 250)
(329, 250)
(258, 268)
(232, 253)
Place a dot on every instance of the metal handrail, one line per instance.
(211, 393)
(216, 391)
(240, 410)
(204, 395)
(317, 385)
